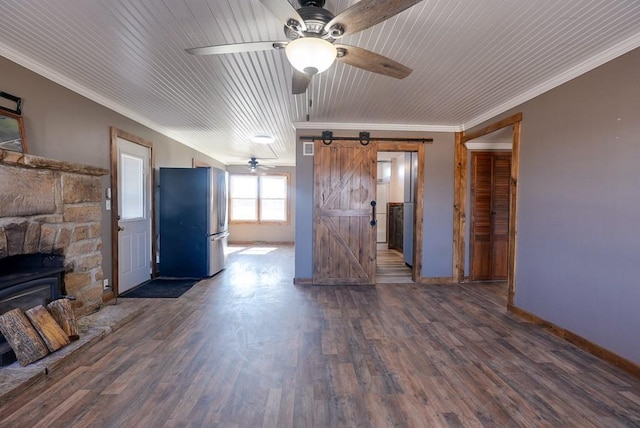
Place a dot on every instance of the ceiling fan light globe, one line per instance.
(311, 55)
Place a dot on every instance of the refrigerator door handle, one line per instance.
(219, 236)
(222, 201)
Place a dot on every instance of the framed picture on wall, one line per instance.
(12, 132)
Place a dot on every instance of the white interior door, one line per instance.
(134, 214)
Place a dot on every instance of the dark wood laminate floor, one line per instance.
(249, 349)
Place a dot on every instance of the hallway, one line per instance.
(248, 348)
(390, 267)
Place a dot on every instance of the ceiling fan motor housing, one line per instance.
(316, 3)
(315, 18)
(253, 164)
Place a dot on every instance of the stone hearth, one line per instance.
(93, 328)
(55, 207)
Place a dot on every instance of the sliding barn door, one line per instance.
(344, 237)
(490, 192)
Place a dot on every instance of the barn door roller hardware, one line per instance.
(327, 137)
(364, 138)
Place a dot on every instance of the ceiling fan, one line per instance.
(254, 165)
(312, 32)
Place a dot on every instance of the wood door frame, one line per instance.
(460, 194)
(115, 134)
(418, 217)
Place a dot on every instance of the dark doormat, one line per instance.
(161, 288)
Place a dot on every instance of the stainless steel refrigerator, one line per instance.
(193, 222)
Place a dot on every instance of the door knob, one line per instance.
(120, 229)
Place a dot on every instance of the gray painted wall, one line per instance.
(437, 241)
(578, 248)
(438, 203)
(304, 213)
(60, 124)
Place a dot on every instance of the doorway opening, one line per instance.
(394, 217)
(488, 229)
(485, 246)
(399, 193)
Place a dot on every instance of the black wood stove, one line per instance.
(28, 280)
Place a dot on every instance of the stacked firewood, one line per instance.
(34, 333)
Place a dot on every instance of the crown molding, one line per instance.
(586, 66)
(54, 76)
(376, 127)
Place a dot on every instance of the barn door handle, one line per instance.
(373, 213)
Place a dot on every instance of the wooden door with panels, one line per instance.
(490, 191)
(344, 236)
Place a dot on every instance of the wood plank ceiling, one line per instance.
(471, 60)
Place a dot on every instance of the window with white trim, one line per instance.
(259, 198)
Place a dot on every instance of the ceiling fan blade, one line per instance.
(284, 11)
(300, 82)
(372, 61)
(236, 48)
(367, 13)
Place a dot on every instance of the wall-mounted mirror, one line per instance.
(12, 132)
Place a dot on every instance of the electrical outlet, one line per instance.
(105, 284)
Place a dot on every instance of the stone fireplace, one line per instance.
(55, 207)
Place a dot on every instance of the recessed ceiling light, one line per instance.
(262, 139)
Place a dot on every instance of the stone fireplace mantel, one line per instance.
(36, 162)
(55, 207)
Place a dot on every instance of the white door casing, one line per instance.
(134, 214)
